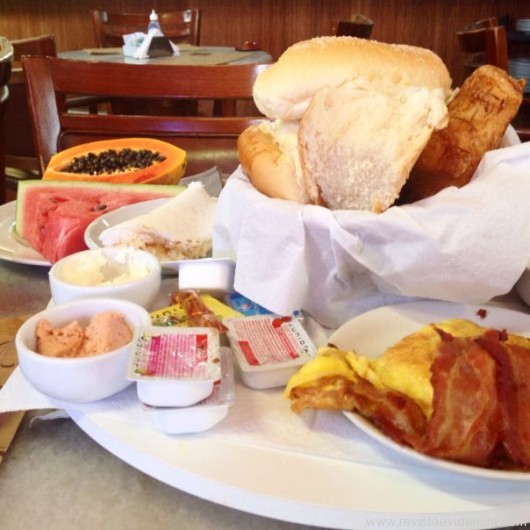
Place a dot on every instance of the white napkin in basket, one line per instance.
(463, 245)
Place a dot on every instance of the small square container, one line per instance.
(175, 367)
(209, 275)
(205, 414)
(268, 349)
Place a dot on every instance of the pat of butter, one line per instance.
(100, 268)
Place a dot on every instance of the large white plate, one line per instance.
(371, 333)
(318, 490)
(13, 247)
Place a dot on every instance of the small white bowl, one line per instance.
(81, 379)
(121, 273)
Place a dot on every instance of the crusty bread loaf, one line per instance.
(272, 168)
(358, 142)
(285, 89)
(478, 118)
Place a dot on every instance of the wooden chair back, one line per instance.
(209, 141)
(6, 62)
(177, 26)
(20, 151)
(484, 45)
(358, 26)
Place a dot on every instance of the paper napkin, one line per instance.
(464, 245)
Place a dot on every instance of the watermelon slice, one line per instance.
(53, 215)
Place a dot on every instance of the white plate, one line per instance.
(371, 333)
(318, 488)
(13, 247)
(96, 227)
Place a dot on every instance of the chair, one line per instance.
(6, 62)
(20, 152)
(484, 42)
(209, 141)
(358, 26)
(178, 26)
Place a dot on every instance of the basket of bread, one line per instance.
(371, 180)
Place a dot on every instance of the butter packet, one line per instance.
(175, 315)
(248, 308)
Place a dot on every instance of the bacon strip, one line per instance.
(465, 424)
(514, 396)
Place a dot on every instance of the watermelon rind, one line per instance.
(26, 186)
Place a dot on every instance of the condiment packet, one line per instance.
(175, 315)
(175, 366)
(203, 415)
(268, 349)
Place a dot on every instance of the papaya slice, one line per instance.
(122, 161)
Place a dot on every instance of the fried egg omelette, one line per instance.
(404, 367)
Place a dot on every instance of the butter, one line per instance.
(101, 268)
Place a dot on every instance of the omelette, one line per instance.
(405, 367)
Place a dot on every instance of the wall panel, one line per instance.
(275, 24)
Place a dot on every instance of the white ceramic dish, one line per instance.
(268, 349)
(395, 489)
(205, 414)
(214, 276)
(121, 273)
(177, 368)
(96, 227)
(81, 379)
(13, 247)
(371, 333)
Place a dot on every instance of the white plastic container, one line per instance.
(175, 367)
(203, 415)
(209, 275)
(268, 349)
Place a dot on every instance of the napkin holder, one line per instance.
(144, 46)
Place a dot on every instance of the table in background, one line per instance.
(189, 55)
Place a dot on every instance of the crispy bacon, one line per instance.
(395, 414)
(465, 424)
(514, 395)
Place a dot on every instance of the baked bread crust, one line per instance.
(269, 169)
(479, 115)
(284, 90)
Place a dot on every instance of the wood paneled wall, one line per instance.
(275, 24)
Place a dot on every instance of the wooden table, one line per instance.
(189, 55)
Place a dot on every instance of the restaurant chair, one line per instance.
(486, 42)
(209, 141)
(20, 160)
(178, 26)
(19, 149)
(6, 62)
(358, 26)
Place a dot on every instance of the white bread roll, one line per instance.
(285, 89)
(268, 153)
(358, 142)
